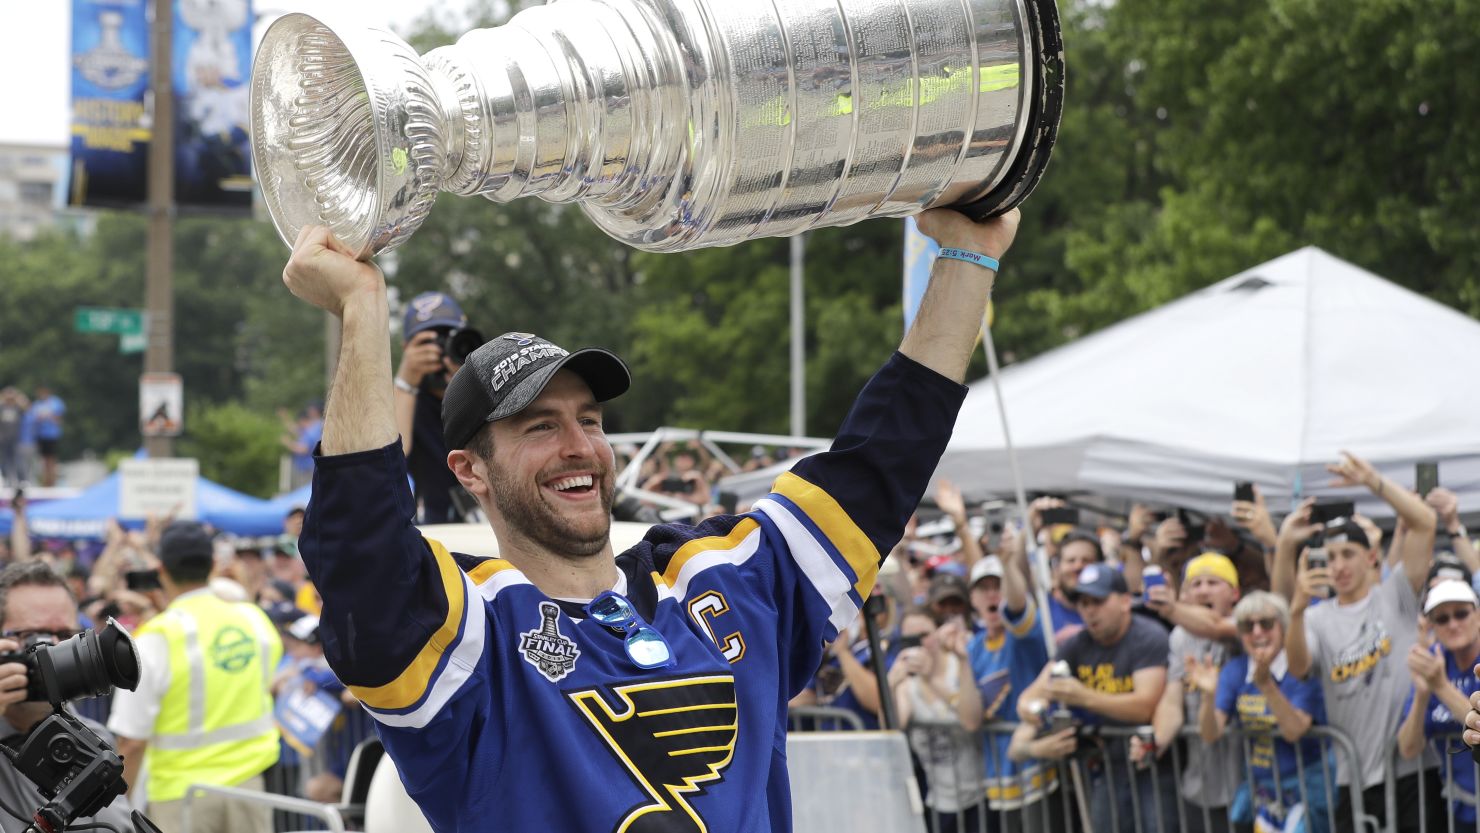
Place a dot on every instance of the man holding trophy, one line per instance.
(563, 685)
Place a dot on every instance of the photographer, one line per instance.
(35, 604)
(1117, 669)
(683, 480)
(437, 340)
(1357, 643)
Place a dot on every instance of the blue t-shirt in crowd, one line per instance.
(46, 418)
(1003, 668)
(1240, 699)
(309, 437)
(1439, 721)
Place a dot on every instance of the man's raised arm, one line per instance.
(944, 333)
(360, 414)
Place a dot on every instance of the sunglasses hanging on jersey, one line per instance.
(645, 646)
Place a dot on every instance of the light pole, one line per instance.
(159, 291)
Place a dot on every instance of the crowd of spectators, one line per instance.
(1230, 639)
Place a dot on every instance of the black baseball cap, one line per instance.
(504, 376)
(185, 542)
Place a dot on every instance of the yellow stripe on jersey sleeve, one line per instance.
(840, 529)
(485, 569)
(711, 543)
(1030, 616)
(407, 688)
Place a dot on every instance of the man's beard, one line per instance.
(527, 514)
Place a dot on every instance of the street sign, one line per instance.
(105, 320)
(133, 343)
(157, 487)
(161, 404)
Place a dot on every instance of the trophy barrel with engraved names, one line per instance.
(675, 124)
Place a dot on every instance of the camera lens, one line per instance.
(89, 664)
(461, 343)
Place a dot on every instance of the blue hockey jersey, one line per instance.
(507, 710)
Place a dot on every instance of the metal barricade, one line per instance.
(1101, 789)
(1455, 804)
(822, 719)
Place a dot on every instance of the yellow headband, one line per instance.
(1212, 564)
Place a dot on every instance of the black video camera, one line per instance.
(89, 664)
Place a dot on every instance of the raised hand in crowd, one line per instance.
(1035, 511)
(1446, 505)
(948, 498)
(1295, 530)
(1310, 583)
(1170, 536)
(1418, 518)
(1253, 515)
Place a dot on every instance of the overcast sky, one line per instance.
(35, 44)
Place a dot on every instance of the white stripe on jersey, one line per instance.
(736, 555)
(465, 657)
(492, 585)
(830, 582)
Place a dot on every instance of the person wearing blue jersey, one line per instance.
(1442, 666)
(562, 686)
(1006, 657)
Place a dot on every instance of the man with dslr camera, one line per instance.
(35, 606)
(438, 340)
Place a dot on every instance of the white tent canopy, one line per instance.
(1266, 376)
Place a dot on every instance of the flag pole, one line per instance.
(1040, 573)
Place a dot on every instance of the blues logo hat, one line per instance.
(502, 377)
(431, 309)
(1099, 581)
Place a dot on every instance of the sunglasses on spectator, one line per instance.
(27, 635)
(1265, 623)
(1443, 618)
(645, 646)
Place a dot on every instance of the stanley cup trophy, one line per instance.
(675, 124)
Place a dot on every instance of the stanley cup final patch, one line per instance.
(551, 652)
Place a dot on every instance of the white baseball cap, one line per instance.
(1449, 590)
(989, 566)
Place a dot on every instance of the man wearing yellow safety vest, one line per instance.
(202, 708)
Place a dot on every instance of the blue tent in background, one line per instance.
(276, 510)
(87, 514)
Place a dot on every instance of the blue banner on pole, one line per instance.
(919, 257)
(110, 74)
(211, 67)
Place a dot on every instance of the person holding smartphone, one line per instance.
(940, 710)
(1356, 644)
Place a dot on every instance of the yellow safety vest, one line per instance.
(215, 723)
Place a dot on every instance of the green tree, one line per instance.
(236, 446)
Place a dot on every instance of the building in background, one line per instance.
(32, 178)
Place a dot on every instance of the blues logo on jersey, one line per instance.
(672, 736)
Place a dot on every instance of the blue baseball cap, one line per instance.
(1099, 581)
(431, 309)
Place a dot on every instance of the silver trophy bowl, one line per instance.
(675, 124)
